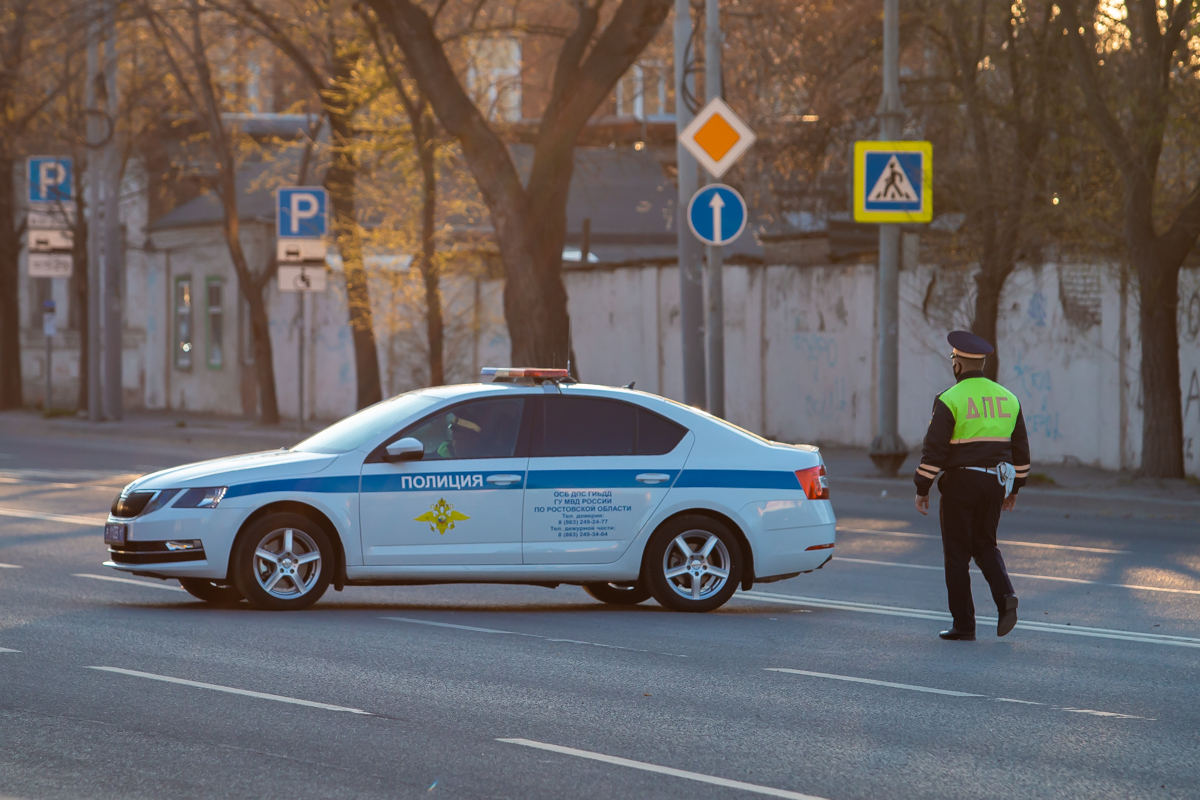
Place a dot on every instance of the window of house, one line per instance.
(183, 323)
(646, 92)
(494, 77)
(215, 319)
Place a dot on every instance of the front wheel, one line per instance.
(218, 594)
(618, 594)
(283, 563)
(693, 563)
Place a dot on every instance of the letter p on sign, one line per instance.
(301, 212)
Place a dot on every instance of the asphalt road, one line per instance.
(832, 685)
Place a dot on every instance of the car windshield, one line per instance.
(358, 429)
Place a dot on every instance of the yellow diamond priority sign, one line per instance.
(717, 137)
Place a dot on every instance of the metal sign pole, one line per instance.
(94, 176)
(715, 322)
(303, 298)
(114, 260)
(888, 450)
(691, 280)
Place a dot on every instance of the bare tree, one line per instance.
(1005, 62)
(181, 37)
(424, 134)
(33, 36)
(318, 39)
(1131, 71)
(529, 218)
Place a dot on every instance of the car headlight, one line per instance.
(201, 498)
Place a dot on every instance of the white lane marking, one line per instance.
(115, 579)
(6, 650)
(530, 635)
(1135, 587)
(69, 518)
(10, 566)
(874, 682)
(941, 616)
(948, 692)
(699, 777)
(1000, 541)
(230, 690)
(57, 485)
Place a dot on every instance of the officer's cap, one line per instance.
(968, 345)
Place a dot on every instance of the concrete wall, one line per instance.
(800, 343)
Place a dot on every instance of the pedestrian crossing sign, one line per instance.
(893, 181)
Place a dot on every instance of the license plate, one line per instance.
(114, 533)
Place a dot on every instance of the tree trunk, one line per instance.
(429, 268)
(989, 282)
(252, 290)
(1162, 410)
(11, 395)
(340, 181)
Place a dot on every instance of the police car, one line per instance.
(529, 479)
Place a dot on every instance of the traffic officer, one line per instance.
(977, 442)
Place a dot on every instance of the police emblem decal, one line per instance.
(441, 517)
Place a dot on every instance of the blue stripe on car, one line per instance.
(536, 479)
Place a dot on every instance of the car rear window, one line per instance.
(596, 426)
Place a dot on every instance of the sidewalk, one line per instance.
(163, 427)
(1051, 485)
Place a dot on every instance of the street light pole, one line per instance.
(888, 450)
(691, 278)
(715, 321)
(95, 174)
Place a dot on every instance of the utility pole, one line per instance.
(114, 251)
(715, 321)
(888, 451)
(691, 277)
(94, 175)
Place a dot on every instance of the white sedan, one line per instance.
(530, 479)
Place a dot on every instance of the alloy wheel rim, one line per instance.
(696, 565)
(287, 563)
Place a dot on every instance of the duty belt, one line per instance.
(1004, 472)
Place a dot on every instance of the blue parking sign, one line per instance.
(717, 214)
(50, 179)
(300, 212)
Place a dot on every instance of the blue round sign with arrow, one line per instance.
(717, 214)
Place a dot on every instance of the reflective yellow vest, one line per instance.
(984, 411)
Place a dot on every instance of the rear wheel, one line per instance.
(618, 594)
(693, 563)
(219, 594)
(283, 563)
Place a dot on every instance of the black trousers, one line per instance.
(970, 513)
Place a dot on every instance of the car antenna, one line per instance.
(629, 385)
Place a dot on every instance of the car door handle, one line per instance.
(503, 480)
(653, 477)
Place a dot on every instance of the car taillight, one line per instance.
(814, 482)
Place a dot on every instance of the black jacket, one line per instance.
(939, 453)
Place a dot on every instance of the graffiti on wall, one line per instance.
(825, 390)
(1036, 388)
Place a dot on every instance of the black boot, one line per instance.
(1008, 615)
(955, 635)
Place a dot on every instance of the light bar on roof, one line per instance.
(525, 372)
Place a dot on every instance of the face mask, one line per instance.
(956, 368)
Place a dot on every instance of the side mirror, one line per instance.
(406, 449)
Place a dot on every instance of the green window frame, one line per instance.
(214, 322)
(183, 323)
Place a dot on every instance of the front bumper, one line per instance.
(146, 549)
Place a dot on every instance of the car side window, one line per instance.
(488, 428)
(657, 436)
(596, 426)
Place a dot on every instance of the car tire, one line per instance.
(618, 594)
(217, 594)
(692, 563)
(283, 562)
